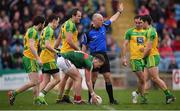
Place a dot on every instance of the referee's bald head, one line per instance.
(97, 15)
(97, 19)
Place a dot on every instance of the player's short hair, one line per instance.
(137, 17)
(147, 18)
(74, 12)
(38, 20)
(52, 17)
(100, 57)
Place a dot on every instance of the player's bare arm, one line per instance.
(34, 52)
(69, 36)
(48, 46)
(148, 48)
(89, 85)
(58, 41)
(124, 60)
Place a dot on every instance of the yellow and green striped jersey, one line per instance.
(47, 34)
(152, 35)
(68, 26)
(30, 34)
(137, 40)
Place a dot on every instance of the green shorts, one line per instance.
(152, 61)
(30, 65)
(137, 65)
(50, 68)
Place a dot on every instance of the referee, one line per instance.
(95, 40)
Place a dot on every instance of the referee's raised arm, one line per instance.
(116, 15)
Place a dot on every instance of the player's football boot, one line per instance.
(134, 97)
(65, 99)
(41, 100)
(11, 97)
(36, 102)
(170, 99)
(114, 102)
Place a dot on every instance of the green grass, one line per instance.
(156, 101)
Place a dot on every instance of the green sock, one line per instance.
(15, 93)
(67, 91)
(143, 99)
(167, 92)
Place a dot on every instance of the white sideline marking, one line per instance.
(108, 108)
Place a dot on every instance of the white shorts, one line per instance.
(64, 64)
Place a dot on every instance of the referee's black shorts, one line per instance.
(105, 67)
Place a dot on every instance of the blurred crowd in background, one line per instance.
(16, 17)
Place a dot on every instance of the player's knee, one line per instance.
(35, 83)
(142, 81)
(155, 79)
(79, 78)
(94, 78)
(45, 82)
(107, 79)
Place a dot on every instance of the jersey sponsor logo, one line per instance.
(140, 40)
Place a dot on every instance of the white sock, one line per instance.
(41, 94)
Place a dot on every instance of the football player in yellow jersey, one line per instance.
(68, 36)
(136, 39)
(31, 60)
(152, 58)
(47, 56)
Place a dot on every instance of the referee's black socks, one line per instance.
(109, 90)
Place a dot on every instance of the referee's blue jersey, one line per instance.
(95, 39)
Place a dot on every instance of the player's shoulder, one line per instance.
(69, 22)
(69, 25)
(48, 28)
(151, 30)
(130, 30)
(31, 29)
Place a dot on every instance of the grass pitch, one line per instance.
(156, 101)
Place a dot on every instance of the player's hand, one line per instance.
(39, 61)
(124, 62)
(94, 99)
(121, 7)
(141, 49)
